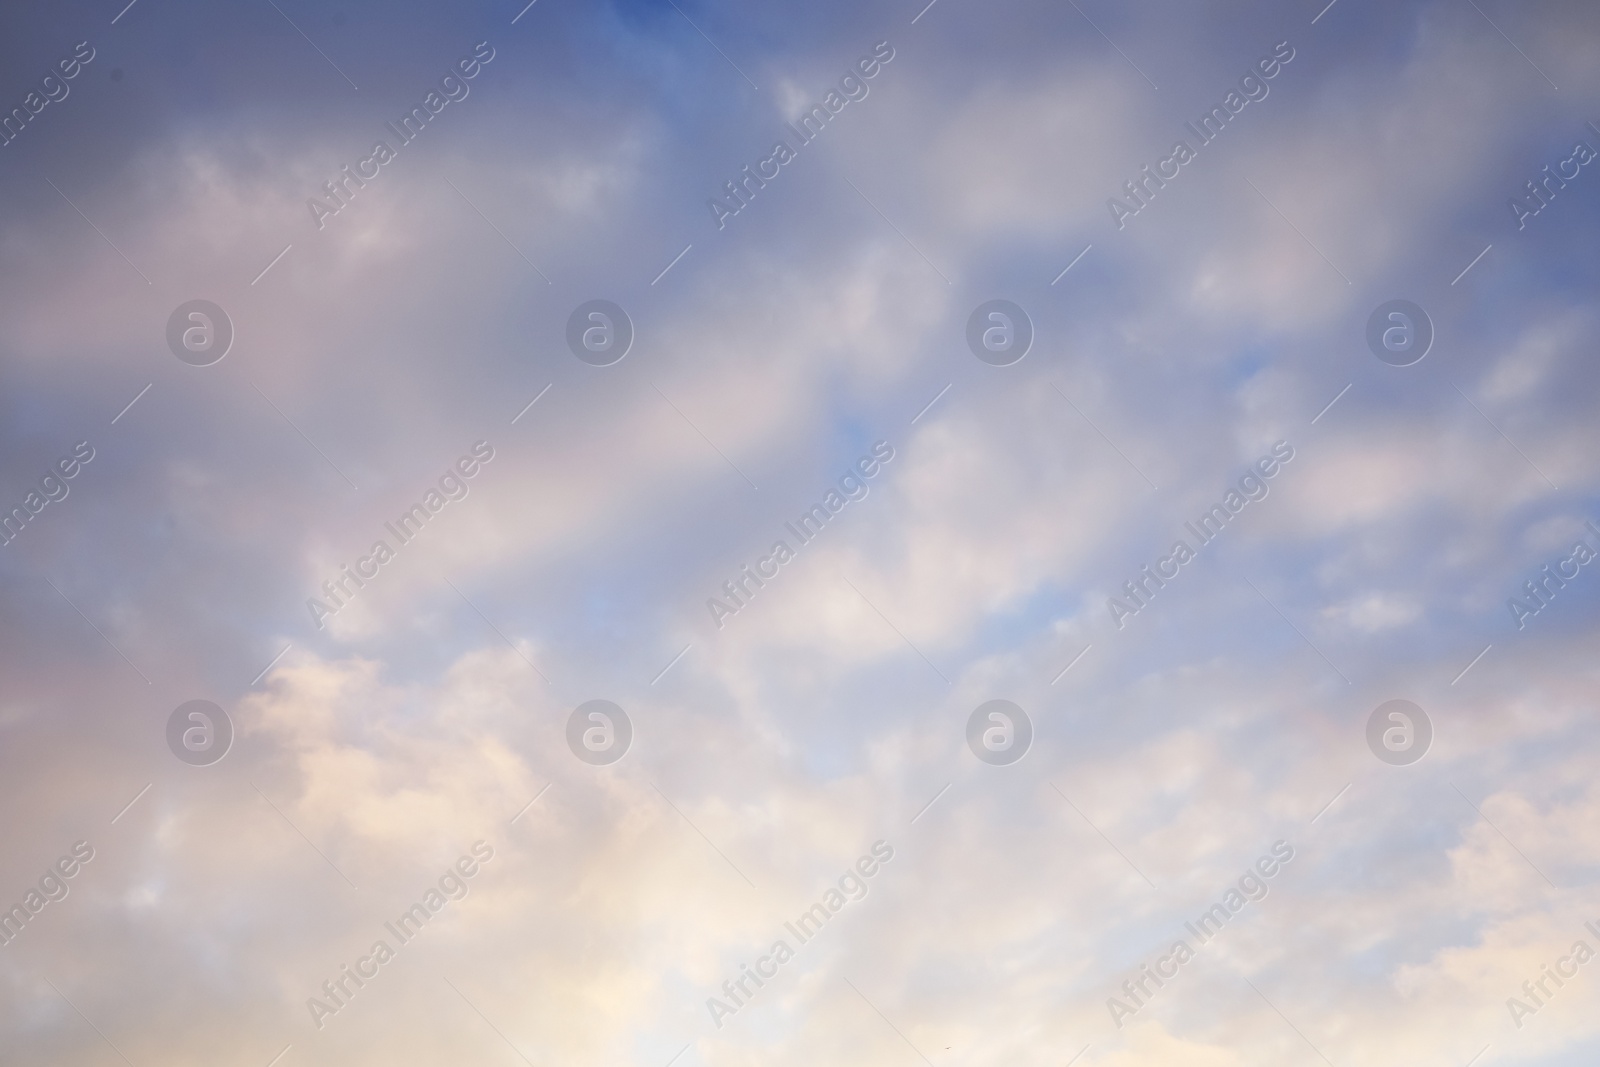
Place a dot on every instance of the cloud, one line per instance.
(830, 712)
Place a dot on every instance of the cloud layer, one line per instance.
(1217, 317)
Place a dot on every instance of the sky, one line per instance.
(396, 448)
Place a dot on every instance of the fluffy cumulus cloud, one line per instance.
(407, 528)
